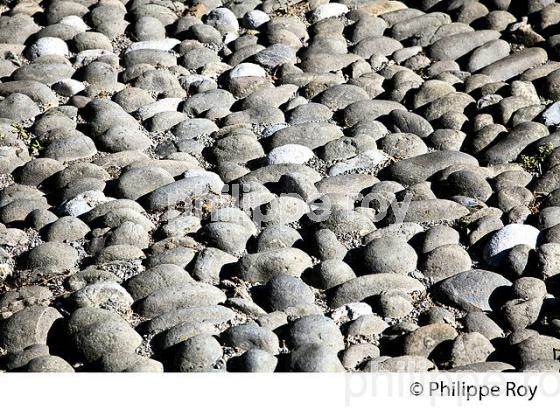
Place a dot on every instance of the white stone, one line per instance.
(193, 79)
(296, 102)
(13, 237)
(201, 176)
(488, 100)
(255, 18)
(508, 237)
(365, 160)
(6, 270)
(325, 11)
(247, 70)
(223, 19)
(84, 202)
(75, 22)
(350, 311)
(163, 105)
(47, 46)
(165, 44)
(68, 87)
(551, 116)
(290, 154)
(378, 62)
(197, 80)
(271, 129)
(103, 293)
(229, 37)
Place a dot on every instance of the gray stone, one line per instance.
(470, 348)
(479, 322)
(53, 257)
(315, 329)
(425, 339)
(420, 168)
(194, 184)
(29, 326)
(136, 182)
(160, 277)
(49, 364)
(445, 261)
(256, 360)
(314, 358)
(389, 255)
(67, 229)
(515, 64)
(362, 287)
(537, 347)
(211, 264)
(263, 266)
(197, 354)
(251, 336)
(18, 107)
(179, 297)
(282, 292)
(472, 290)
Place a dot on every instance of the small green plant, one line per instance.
(533, 163)
(463, 222)
(36, 147)
(21, 132)
(537, 202)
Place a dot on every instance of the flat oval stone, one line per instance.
(425, 339)
(417, 169)
(262, 266)
(472, 290)
(181, 296)
(515, 64)
(360, 288)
